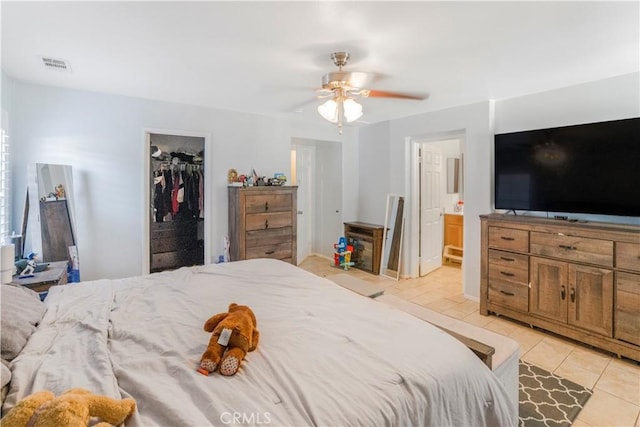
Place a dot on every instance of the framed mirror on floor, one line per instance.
(390, 263)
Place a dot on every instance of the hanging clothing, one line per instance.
(201, 194)
(158, 198)
(168, 190)
(177, 184)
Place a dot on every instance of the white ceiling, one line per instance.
(268, 57)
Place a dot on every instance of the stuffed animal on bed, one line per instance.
(234, 331)
(74, 408)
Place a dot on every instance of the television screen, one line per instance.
(591, 168)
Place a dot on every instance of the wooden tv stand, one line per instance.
(577, 279)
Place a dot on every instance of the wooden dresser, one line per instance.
(580, 280)
(175, 244)
(366, 240)
(262, 223)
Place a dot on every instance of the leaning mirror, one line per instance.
(50, 214)
(392, 241)
(454, 175)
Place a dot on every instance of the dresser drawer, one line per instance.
(509, 239)
(508, 274)
(268, 220)
(508, 294)
(571, 248)
(264, 203)
(509, 259)
(270, 236)
(280, 251)
(628, 256)
(627, 314)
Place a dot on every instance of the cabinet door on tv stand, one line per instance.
(549, 289)
(591, 299)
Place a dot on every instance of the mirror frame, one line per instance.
(393, 201)
(42, 179)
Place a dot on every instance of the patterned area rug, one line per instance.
(547, 399)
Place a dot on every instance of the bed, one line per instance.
(326, 356)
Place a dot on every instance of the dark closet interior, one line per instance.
(177, 201)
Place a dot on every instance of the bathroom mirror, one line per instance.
(51, 227)
(454, 175)
(392, 237)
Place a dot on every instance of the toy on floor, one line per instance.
(234, 331)
(342, 255)
(72, 408)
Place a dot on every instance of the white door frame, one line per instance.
(145, 267)
(411, 243)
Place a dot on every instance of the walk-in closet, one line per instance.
(177, 201)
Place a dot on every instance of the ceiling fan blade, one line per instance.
(383, 94)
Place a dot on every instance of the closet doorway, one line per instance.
(176, 208)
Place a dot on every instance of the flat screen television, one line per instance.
(589, 168)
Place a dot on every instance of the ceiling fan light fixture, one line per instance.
(329, 110)
(352, 110)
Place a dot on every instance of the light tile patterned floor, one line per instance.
(616, 383)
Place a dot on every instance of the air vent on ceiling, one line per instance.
(56, 64)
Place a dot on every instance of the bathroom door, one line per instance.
(431, 211)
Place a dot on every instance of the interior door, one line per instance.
(431, 211)
(304, 173)
(329, 198)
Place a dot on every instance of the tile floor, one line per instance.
(615, 383)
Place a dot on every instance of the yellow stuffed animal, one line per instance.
(234, 331)
(74, 408)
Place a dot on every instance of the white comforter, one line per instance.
(326, 356)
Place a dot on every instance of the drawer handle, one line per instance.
(507, 259)
(504, 273)
(266, 206)
(563, 292)
(507, 238)
(269, 252)
(573, 295)
(509, 294)
(572, 248)
(266, 223)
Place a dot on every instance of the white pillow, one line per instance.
(5, 373)
(20, 312)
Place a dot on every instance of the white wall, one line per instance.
(102, 137)
(374, 173)
(384, 168)
(602, 100)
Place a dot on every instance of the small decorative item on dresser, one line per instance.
(232, 176)
(279, 179)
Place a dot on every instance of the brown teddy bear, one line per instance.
(73, 408)
(234, 331)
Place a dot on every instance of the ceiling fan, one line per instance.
(343, 87)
